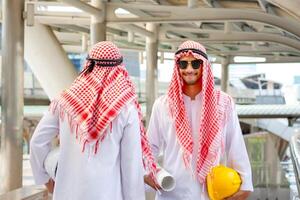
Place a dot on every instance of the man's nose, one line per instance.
(189, 67)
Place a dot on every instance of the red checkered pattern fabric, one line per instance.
(95, 99)
(212, 118)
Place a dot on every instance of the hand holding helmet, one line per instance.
(222, 182)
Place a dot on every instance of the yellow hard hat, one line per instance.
(222, 182)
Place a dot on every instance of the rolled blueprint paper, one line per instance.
(165, 180)
(51, 162)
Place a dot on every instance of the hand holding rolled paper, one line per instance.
(148, 179)
(165, 180)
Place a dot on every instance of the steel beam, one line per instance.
(85, 7)
(241, 36)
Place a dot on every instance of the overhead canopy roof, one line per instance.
(266, 28)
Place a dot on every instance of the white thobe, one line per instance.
(162, 137)
(114, 173)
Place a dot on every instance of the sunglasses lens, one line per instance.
(196, 64)
(183, 64)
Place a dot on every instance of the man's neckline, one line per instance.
(197, 97)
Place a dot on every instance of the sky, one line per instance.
(281, 72)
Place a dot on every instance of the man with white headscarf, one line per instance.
(102, 140)
(196, 127)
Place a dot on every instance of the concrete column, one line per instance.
(225, 74)
(11, 149)
(151, 64)
(162, 57)
(98, 25)
(84, 43)
(48, 60)
(192, 3)
(130, 36)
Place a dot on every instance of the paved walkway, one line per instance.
(27, 173)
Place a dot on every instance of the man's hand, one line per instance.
(50, 185)
(240, 195)
(149, 181)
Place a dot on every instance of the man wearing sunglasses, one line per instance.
(196, 128)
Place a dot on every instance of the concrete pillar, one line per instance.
(48, 60)
(11, 149)
(130, 36)
(162, 57)
(151, 64)
(225, 74)
(192, 3)
(98, 25)
(84, 43)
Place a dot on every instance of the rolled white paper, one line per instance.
(51, 162)
(165, 180)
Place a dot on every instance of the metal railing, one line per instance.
(26, 193)
(295, 156)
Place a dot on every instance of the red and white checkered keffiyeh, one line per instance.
(212, 118)
(95, 99)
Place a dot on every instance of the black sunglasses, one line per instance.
(196, 64)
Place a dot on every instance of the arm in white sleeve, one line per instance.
(131, 159)
(40, 145)
(237, 156)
